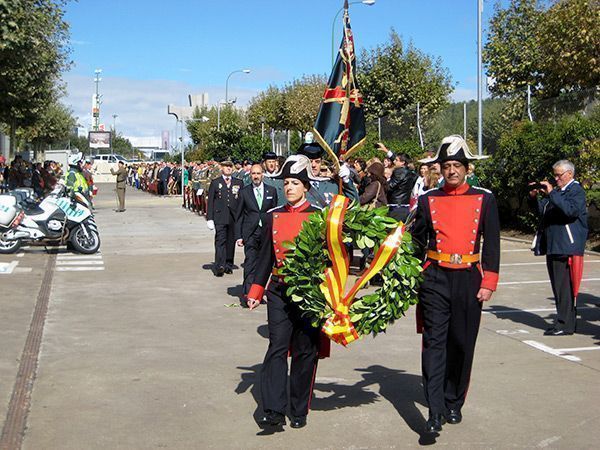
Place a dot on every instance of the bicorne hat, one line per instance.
(226, 162)
(299, 167)
(453, 148)
(269, 155)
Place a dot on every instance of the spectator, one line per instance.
(376, 189)
(400, 184)
(471, 177)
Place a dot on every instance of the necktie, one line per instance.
(259, 200)
(227, 182)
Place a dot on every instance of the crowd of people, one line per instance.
(20, 173)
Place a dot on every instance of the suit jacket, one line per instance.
(563, 225)
(248, 213)
(222, 200)
(121, 174)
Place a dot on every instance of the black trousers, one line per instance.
(288, 329)
(451, 317)
(224, 244)
(251, 247)
(560, 277)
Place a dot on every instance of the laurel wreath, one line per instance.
(305, 264)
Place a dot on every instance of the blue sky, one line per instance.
(154, 52)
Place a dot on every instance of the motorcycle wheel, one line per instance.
(83, 244)
(8, 247)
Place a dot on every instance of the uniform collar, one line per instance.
(297, 208)
(463, 188)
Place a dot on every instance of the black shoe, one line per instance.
(434, 424)
(243, 303)
(298, 422)
(228, 270)
(220, 271)
(558, 333)
(271, 419)
(453, 416)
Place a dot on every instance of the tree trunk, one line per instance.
(12, 138)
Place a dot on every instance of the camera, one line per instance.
(539, 186)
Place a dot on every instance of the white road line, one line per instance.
(7, 268)
(514, 311)
(20, 255)
(577, 349)
(23, 270)
(511, 283)
(77, 269)
(77, 258)
(80, 262)
(552, 351)
(542, 263)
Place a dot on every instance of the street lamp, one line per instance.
(227, 81)
(181, 122)
(96, 105)
(364, 2)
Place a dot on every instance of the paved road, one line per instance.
(141, 350)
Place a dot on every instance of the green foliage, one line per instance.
(527, 152)
(33, 53)
(52, 127)
(305, 265)
(394, 77)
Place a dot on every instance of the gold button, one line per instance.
(276, 250)
(274, 231)
(276, 216)
(476, 220)
(474, 231)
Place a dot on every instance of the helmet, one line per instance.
(75, 158)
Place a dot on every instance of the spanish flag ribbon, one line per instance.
(339, 327)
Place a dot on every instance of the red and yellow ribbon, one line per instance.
(339, 327)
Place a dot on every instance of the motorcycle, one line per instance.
(60, 218)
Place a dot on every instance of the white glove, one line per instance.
(210, 224)
(344, 173)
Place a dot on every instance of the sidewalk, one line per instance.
(147, 353)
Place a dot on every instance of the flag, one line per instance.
(340, 124)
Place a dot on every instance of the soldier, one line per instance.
(270, 166)
(459, 275)
(288, 330)
(222, 200)
(321, 192)
(121, 174)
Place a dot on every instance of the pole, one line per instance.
(465, 121)
(219, 116)
(182, 165)
(346, 4)
(479, 93)
(529, 103)
(262, 131)
(379, 128)
(419, 125)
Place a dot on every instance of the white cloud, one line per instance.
(141, 105)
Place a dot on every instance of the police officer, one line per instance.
(459, 275)
(75, 179)
(223, 194)
(270, 166)
(288, 330)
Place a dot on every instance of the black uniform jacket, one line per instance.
(281, 224)
(248, 214)
(453, 221)
(222, 200)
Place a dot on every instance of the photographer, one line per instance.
(400, 184)
(561, 237)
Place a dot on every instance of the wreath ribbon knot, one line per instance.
(339, 328)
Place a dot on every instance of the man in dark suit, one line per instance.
(163, 176)
(223, 194)
(561, 237)
(255, 200)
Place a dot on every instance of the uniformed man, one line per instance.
(223, 194)
(321, 192)
(459, 275)
(121, 174)
(270, 166)
(75, 179)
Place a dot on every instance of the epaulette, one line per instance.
(482, 189)
(430, 190)
(274, 209)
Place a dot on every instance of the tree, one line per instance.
(393, 78)
(268, 107)
(33, 53)
(569, 39)
(301, 102)
(53, 127)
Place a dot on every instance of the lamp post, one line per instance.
(96, 103)
(479, 79)
(364, 2)
(227, 81)
(181, 121)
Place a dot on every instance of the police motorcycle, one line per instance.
(63, 217)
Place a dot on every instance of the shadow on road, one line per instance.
(401, 389)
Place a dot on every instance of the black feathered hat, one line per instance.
(453, 148)
(299, 167)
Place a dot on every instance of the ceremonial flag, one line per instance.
(340, 125)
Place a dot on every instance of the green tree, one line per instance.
(301, 102)
(569, 40)
(33, 53)
(393, 78)
(53, 127)
(268, 107)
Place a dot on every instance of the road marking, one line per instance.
(7, 268)
(512, 283)
(62, 262)
(542, 263)
(72, 256)
(77, 269)
(20, 255)
(552, 351)
(511, 332)
(513, 311)
(577, 349)
(23, 270)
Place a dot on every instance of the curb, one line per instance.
(525, 241)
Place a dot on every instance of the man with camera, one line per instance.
(561, 237)
(400, 184)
